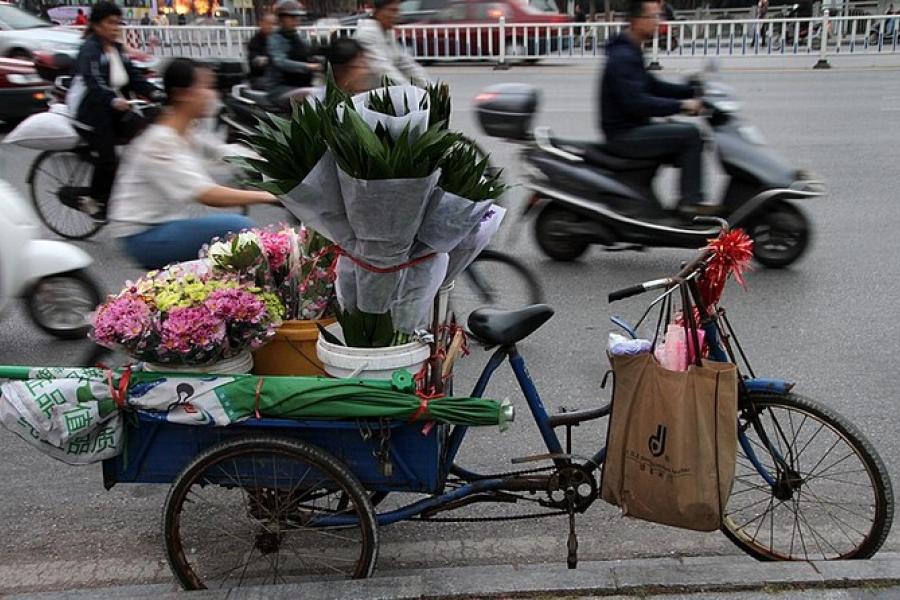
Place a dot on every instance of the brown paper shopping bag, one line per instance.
(672, 441)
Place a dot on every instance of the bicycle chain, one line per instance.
(460, 482)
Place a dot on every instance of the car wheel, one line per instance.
(20, 54)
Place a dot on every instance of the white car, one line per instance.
(23, 34)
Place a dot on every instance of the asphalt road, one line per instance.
(829, 323)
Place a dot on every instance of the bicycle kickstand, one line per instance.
(572, 542)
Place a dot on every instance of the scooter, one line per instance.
(242, 109)
(583, 195)
(49, 276)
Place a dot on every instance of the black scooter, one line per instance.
(584, 195)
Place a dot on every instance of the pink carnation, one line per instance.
(121, 320)
(237, 305)
(277, 246)
(189, 329)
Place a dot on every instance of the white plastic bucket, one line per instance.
(236, 365)
(369, 363)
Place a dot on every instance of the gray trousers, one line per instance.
(679, 142)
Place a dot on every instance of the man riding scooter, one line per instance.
(630, 97)
(386, 58)
(290, 60)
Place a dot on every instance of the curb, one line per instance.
(596, 578)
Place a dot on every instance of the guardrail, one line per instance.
(504, 43)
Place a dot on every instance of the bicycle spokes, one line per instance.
(819, 501)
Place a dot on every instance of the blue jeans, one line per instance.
(179, 241)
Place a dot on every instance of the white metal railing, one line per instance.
(508, 42)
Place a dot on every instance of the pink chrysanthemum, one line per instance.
(187, 330)
(121, 320)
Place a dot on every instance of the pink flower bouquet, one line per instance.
(182, 319)
(296, 263)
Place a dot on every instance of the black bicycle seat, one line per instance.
(505, 327)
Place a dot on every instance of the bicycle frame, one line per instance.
(476, 483)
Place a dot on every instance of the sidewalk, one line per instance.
(695, 578)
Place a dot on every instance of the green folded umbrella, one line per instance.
(243, 396)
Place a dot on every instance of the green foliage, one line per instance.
(367, 330)
(438, 98)
(366, 154)
(289, 148)
(467, 173)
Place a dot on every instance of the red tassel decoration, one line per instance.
(732, 253)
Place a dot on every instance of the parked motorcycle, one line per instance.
(583, 194)
(49, 276)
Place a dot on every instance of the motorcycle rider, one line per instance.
(104, 78)
(290, 60)
(630, 97)
(386, 58)
(164, 171)
(258, 51)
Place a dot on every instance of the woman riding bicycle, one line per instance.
(104, 79)
(163, 172)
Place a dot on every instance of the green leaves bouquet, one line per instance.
(383, 176)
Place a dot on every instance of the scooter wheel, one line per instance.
(553, 231)
(780, 235)
(62, 304)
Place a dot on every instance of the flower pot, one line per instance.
(236, 365)
(292, 351)
(370, 363)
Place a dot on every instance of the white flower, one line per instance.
(220, 252)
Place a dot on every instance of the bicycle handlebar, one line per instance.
(686, 271)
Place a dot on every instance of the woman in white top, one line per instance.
(104, 79)
(165, 170)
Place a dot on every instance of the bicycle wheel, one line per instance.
(497, 280)
(58, 181)
(265, 509)
(832, 501)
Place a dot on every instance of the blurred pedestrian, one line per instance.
(182, 19)
(145, 20)
(762, 12)
(161, 19)
(80, 18)
(258, 51)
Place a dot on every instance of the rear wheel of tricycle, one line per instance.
(266, 509)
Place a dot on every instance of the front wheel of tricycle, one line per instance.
(266, 509)
(829, 496)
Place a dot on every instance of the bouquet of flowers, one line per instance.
(409, 202)
(177, 318)
(297, 264)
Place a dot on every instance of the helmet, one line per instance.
(289, 8)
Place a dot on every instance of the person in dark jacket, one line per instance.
(104, 78)
(290, 61)
(258, 50)
(630, 97)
